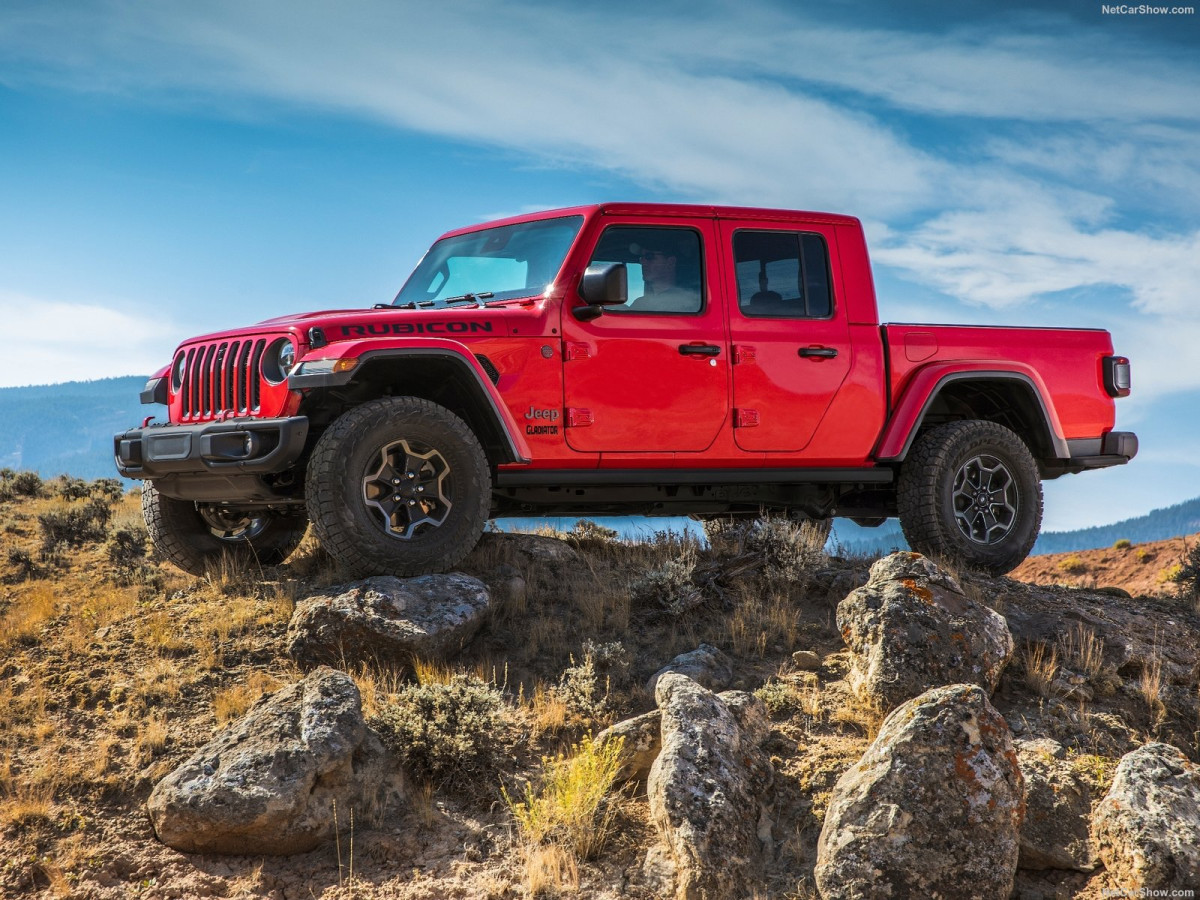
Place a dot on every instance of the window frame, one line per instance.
(700, 263)
(798, 234)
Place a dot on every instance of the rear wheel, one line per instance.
(398, 486)
(192, 535)
(969, 492)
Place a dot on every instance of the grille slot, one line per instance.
(222, 377)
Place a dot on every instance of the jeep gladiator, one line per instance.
(619, 359)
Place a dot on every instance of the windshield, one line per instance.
(500, 263)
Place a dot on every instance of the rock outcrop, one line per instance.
(911, 628)
(933, 808)
(1058, 804)
(707, 791)
(268, 784)
(387, 619)
(1147, 828)
(707, 665)
(641, 739)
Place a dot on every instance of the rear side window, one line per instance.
(782, 274)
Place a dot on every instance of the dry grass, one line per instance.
(1150, 684)
(31, 609)
(231, 702)
(1083, 650)
(551, 870)
(1041, 668)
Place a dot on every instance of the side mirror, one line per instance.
(601, 286)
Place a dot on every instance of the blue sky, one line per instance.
(167, 169)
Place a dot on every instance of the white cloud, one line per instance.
(77, 342)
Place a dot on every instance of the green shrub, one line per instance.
(445, 733)
(111, 489)
(127, 552)
(1186, 575)
(23, 564)
(1122, 544)
(669, 586)
(70, 488)
(27, 484)
(74, 526)
(587, 530)
(789, 550)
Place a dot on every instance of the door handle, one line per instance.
(699, 349)
(818, 352)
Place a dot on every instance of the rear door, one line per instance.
(791, 341)
(653, 375)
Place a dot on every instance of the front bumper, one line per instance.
(239, 447)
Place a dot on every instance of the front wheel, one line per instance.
(398, 486)
(969, 492)
(193, 536)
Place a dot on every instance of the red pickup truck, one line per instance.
(619, 359)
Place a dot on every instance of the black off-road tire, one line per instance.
(195, 536)
(969, 494)
(370, 532)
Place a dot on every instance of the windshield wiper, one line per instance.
(469, 298)
(412, 304)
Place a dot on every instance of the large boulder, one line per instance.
(1058, 805)
(1147, 828)
(911, 628)
(707, 790)
(706, 665)
(269, 783)
(388, 619)
(933, 808)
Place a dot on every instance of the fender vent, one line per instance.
(490, 367)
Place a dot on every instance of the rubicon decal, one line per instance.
(379, 329)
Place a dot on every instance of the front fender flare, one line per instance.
(366, 352)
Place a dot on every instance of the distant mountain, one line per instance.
(68, 428)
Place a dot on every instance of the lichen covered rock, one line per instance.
(707, 791)
(388, 619)
(707, 665)
(1147, 828)
(933, 808)
(268, 784)
(911, 628)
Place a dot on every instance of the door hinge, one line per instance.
(742, 354)
(745, 418)
(579, 418)
(576, 350)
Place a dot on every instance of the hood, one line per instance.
(524, 317)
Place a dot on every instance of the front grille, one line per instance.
(222, 377)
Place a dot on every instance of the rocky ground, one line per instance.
(116, 671)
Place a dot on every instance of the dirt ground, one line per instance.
(114, 668)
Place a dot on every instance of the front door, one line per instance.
(653, 375)
(791, 341)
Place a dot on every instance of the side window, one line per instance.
(782, 275)
(665, 267)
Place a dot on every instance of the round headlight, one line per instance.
(278, 361)
(177, 372)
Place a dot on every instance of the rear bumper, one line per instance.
(241, 447)
(1113, 449)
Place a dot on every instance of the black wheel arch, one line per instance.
(443, 377)
(1011, 399)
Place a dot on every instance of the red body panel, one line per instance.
(617, 391)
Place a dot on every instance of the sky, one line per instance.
(172, 169)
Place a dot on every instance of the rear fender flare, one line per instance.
(929, 382)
